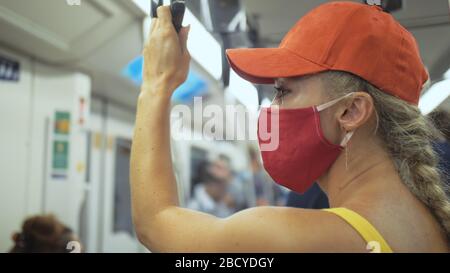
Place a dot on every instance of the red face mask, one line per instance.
(294, 150)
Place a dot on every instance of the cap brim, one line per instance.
(264, 65)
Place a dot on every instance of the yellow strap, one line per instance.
(372, 237)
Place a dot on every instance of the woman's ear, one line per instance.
(358, 109)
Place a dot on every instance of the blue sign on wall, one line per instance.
(194, 86)
(9, 70)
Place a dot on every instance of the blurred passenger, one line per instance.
(209, 194)
(43, 234)
(267, 192)
(237, 196)
(243, 189)
(441, 120)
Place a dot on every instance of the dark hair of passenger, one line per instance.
(42, 234)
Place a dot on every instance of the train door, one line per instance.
(118, 232)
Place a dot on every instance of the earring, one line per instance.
(346, 157)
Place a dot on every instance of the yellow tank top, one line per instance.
(368, 232)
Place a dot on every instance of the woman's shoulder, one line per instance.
(404, 223)
(298, 230)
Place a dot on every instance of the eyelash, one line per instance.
(281, 92)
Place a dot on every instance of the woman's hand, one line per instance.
(166, 57)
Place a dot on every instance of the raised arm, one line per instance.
(166, 64)
(161, 225)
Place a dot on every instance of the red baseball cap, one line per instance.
(341, 36)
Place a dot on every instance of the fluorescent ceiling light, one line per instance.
(434, 97)
(447, 75)
(204, 49)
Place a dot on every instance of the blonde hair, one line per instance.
(407, 136)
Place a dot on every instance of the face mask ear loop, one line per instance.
(331, 103)
(346, 158)
(349, 135)
(347, 138)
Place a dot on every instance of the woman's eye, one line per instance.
(280, 92)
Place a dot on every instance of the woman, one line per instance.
(348, 78)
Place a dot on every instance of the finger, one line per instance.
(153, 25)
(183, 35)
(164, 15)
